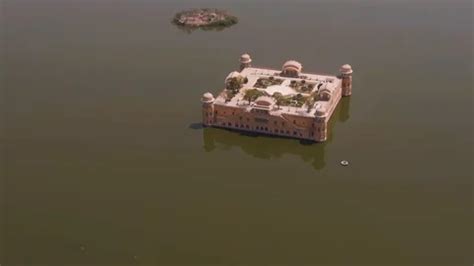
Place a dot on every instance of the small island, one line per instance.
(204, 18)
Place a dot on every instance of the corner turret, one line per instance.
(245, 61)
(346, 76)
(320, 125)
(207, 101)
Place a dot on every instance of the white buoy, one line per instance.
(344, 163)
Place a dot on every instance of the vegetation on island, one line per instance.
(297, 100)
(252, 94)
(233, 86)
(235, 83)
(204, 18)
(263, 83)
(302, 86)
(306, 96)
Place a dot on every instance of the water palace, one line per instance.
(286, 102)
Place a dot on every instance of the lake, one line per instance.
(105, 162)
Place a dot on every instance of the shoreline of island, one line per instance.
(204, 18)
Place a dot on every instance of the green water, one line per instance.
(104, 161)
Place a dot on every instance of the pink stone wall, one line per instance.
(207, 114)
(288, 125)
(346, 85)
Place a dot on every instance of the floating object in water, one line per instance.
(344, 163)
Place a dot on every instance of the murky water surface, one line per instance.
(104, 160)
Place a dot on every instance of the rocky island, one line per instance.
(204, 18)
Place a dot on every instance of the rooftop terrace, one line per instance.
(291, 95)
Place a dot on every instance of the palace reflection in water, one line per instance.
(268, 147)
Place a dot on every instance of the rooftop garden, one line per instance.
(233, 86)
(252, 94)
(302, 86)
(263, 83)
(297, 100)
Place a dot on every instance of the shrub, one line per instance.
(252, 94)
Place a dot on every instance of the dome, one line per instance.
(293, 64)
(245, 59)
(326, 91)
(264, 102)
(233, 74)
(320, 110)
(207, 97)
(327, 87)
(346, 69)
(291, 69)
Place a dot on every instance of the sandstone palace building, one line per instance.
(284, 102)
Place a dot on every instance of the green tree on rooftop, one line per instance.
(252, 94)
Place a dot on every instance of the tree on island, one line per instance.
(252, 95)
(235, 83)
(279, 98)
(204, 18)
